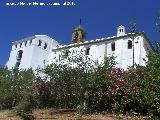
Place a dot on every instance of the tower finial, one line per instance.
(80, 21)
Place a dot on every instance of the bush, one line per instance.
(23, 110)
(150, 83)
(86, 87)
(64, 86)
(42, 95)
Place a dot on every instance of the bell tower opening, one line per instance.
(78, 34)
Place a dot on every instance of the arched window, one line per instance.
(19, 57)
(76, 35)
(39, 43)
(45, 45)
(20, 52)
(129, 44)
(87, 51)
(113, 46)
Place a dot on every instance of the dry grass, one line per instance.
(8, 115)
(63, 114)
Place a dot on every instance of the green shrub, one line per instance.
(85, 87)
(82, 108)
(23, 110)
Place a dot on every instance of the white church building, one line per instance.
(40, 50)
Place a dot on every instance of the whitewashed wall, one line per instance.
(36, 56)
(33, 55)
(123, 55)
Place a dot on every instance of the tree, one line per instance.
(15, 86)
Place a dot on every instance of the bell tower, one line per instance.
(120, 31)
(78, 34)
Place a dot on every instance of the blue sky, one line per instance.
(100, 18)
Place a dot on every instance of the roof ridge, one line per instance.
(95, 41)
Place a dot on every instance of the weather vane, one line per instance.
(80, 21)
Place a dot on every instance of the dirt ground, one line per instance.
(8, 115)
(61, 114)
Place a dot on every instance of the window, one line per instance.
(113, 46)
(20, 54)
(20, 45)
(45, 45)
(87, 51)
(26, 43)
(66, 53)
(76, 35)
(121, 30)
(30, 42)
(129, 44)
(40, 42)
(17, 64)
